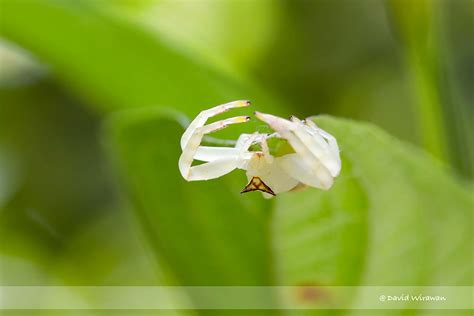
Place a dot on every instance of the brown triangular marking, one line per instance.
(257, 184)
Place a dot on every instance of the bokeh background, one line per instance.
(66, 67)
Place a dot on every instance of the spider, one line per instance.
(313, 161)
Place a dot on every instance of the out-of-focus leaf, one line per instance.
(203, 28)
(59, 207)
(113, 62)
(322, 48)
(393, 217)
(212, 238)
(320, 237)
(109, 251)
(457, 54)
(203, 232)
(20, 271)
(61, 177)
(18, 66)
(415, 23)
(10, 177)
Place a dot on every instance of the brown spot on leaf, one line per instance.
(311, 294)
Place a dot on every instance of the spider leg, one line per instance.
(214, 168)
(258, 138)
(242, 140)
(323, 145)
(330, 139)
(208, 153)
(266, 151)
(293, 165)
(309, 164)
(202, 117)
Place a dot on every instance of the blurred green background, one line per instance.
(92, 93)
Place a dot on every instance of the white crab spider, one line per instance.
(315, 161)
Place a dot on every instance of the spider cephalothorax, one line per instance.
(313, 161)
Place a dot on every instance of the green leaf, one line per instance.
(395, 216)
(325, 233)
(204, 27)
(115, 63)
(225, 235)
(204, 233)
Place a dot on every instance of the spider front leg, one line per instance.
(311, 163)
(323, 145)
(334, 147)
(202, 117)
(223, 161)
